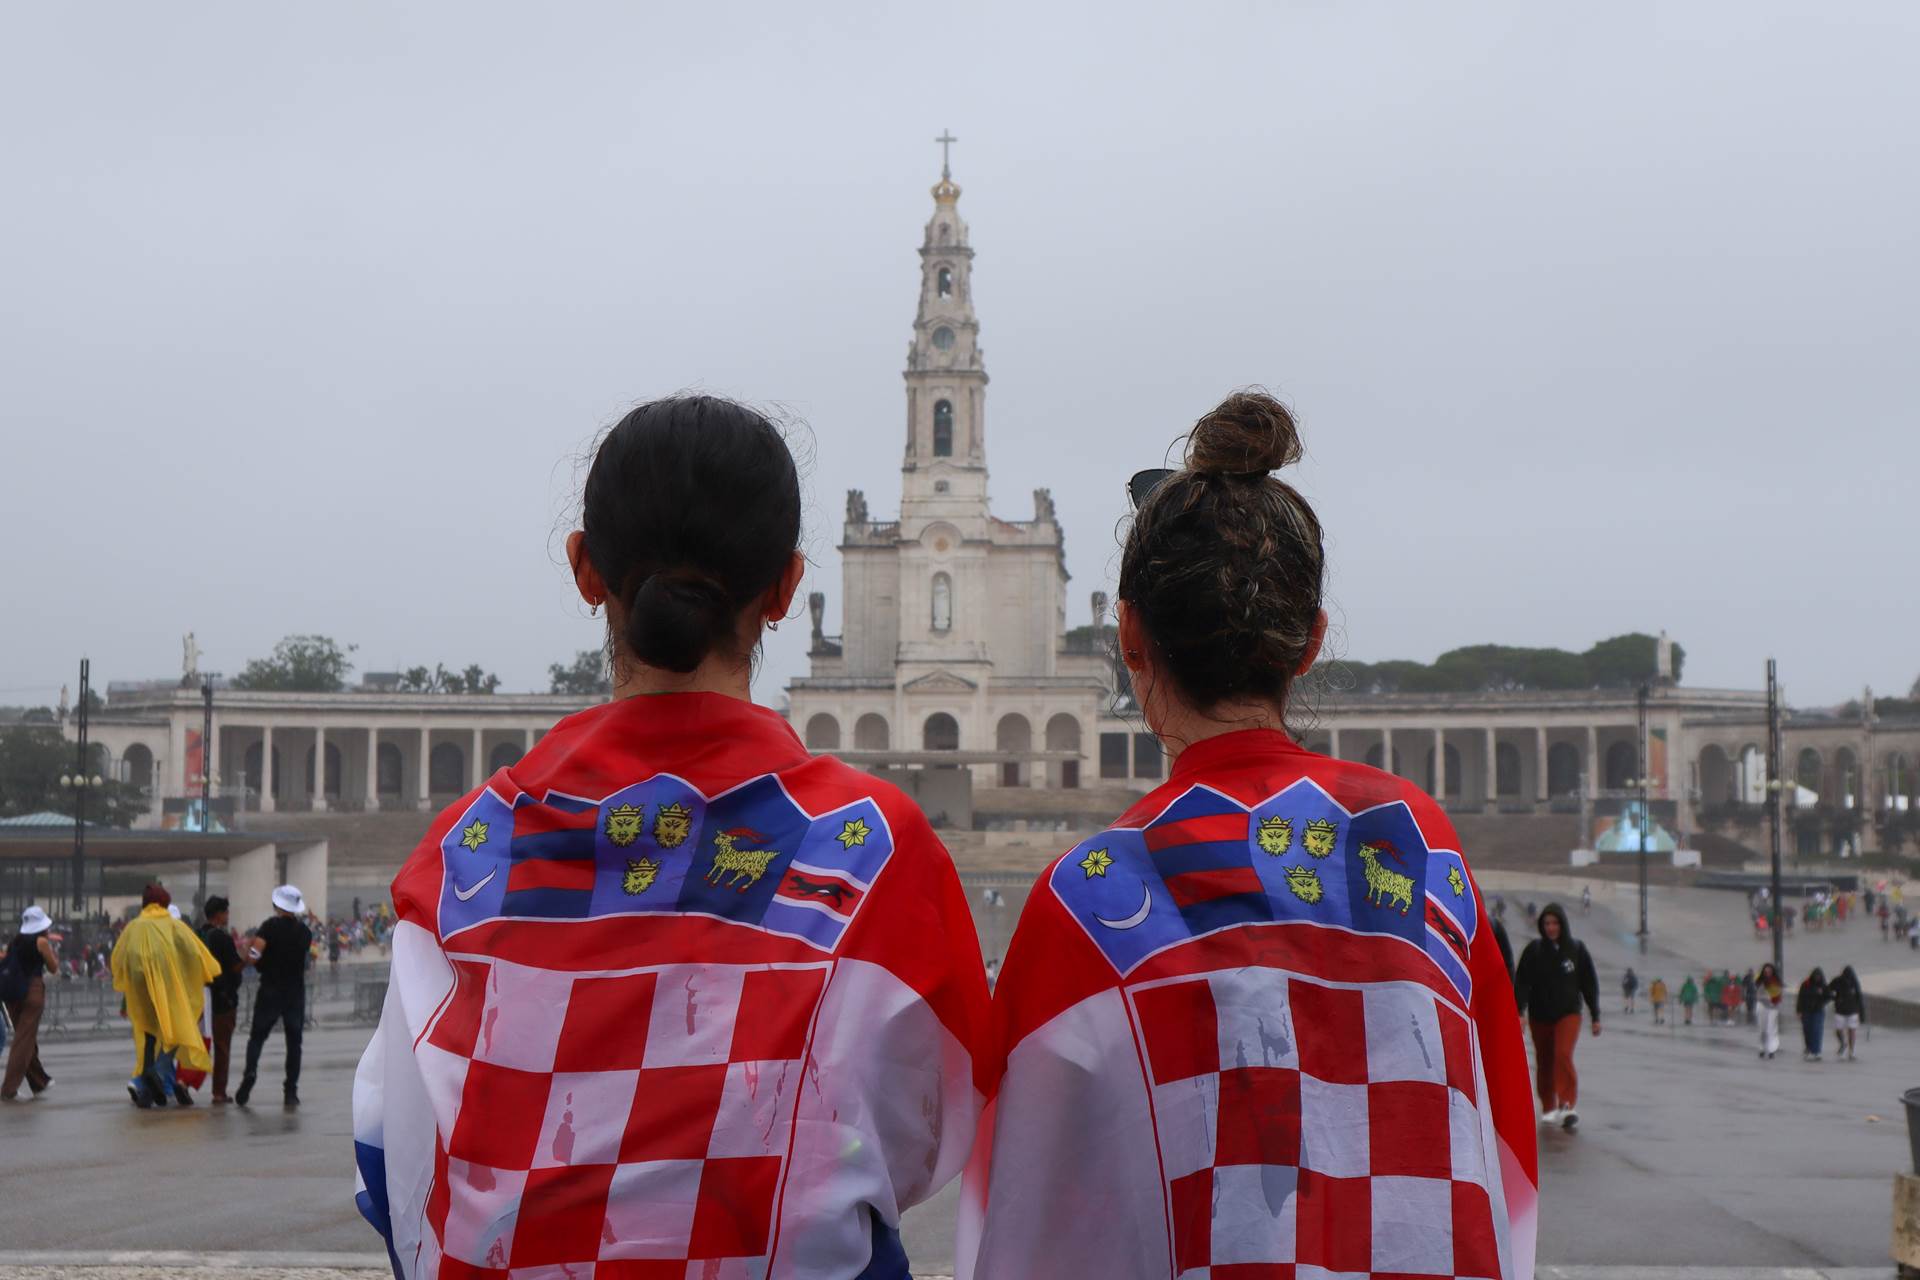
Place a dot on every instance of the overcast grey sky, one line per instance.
(1595, 321)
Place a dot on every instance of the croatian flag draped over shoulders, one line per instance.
(670, 998)
(1258, 1029)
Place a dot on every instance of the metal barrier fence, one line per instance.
(78, 1007)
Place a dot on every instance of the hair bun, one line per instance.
(677, 617)
(1248, 433)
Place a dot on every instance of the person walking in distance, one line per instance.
(1657, 997)
(1715, 993)
(1768, 990)
(1555, 977)
(1689, 996)
(23, 988)
(223, 993)
(1849, 1011)
(1811, 1005)
(1629, 987)
(283, 943)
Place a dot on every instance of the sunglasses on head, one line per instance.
(1141, 487)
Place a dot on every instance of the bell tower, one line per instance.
(945, 472)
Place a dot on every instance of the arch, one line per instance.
(942, 602)
(1377, 753)
(252, 771)
(1752, 780)
(1899, 780)
(1013, 733)
(136, 766)
(941, 732)
(823, 732)
(1063, 734)
(446, 769)
(943, 428)
(1563, 769)
(503, 756)
(943, 282)
(389, 768)
(1453, 770)
(1846, 778)
(332, 782)
(1623, 762)
(1716, 776)
(870, 732)
(1806, 770)
(1506, 769)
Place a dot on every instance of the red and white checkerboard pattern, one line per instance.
(641, 1119)
(1312, 1130)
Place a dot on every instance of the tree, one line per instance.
(33, 758)
(441, 680)
(585, 676)
(1626, 661)
(300, 664)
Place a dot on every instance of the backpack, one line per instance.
(13, 981)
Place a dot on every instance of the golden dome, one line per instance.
(946, 191)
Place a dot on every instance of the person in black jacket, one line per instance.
(1849, 1011)
(223, 991)
(1555, 977)
(1811, 1005)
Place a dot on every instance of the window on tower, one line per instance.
(943, 429)
(945, 284)
(943, 338)
(942, 602)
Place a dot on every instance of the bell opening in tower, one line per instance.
(945, 283)
(943, 429)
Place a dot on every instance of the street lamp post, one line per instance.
(1645, 818)
(1774, 789)
(78, 782)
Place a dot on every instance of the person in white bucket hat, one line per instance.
(282, 945)
(23, 987)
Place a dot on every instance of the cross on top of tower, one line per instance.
(946, 141)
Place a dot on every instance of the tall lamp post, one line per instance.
(78, 782)
(1774, 789)
(208, 775)
(1646, 817)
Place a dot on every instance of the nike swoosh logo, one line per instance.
(466, 894)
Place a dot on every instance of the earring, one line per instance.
(594, 612)
(773, 624)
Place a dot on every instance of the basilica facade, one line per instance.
(955, 619)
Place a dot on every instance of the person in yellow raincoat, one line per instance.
(162, 969)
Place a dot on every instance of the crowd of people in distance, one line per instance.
(1755, 999)
(180, 994)
(1834, 909)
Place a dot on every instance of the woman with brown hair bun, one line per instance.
(1260, 1023)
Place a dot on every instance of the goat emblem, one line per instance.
(736, 868)
(1386, 888)
(1276, 835)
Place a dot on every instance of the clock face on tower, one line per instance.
(943, 338)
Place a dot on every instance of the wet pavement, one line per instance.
(1692, 1152)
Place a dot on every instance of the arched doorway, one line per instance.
(1013, 733)
(1063, 734)
(447, 770)
(136, 767)
(1506, 769)
(940, 733)
(1563, 769)
(388, 767)
(870, 733)
(1899, 781)
(1377, 753)
(1806, 771)
(1453, 771)
(504, 755)
(823, 732)
(1623, 763)
(1846, 778)
(1716, 777)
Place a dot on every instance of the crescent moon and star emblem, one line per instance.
(1134, 920)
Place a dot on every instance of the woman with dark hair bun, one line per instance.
(1261, 1023)
(670, 995)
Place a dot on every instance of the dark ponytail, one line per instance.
(691, 512)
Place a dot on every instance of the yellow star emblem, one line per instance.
(1095, 863)
(473, 836)
(855, 832)
(1454, 882)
